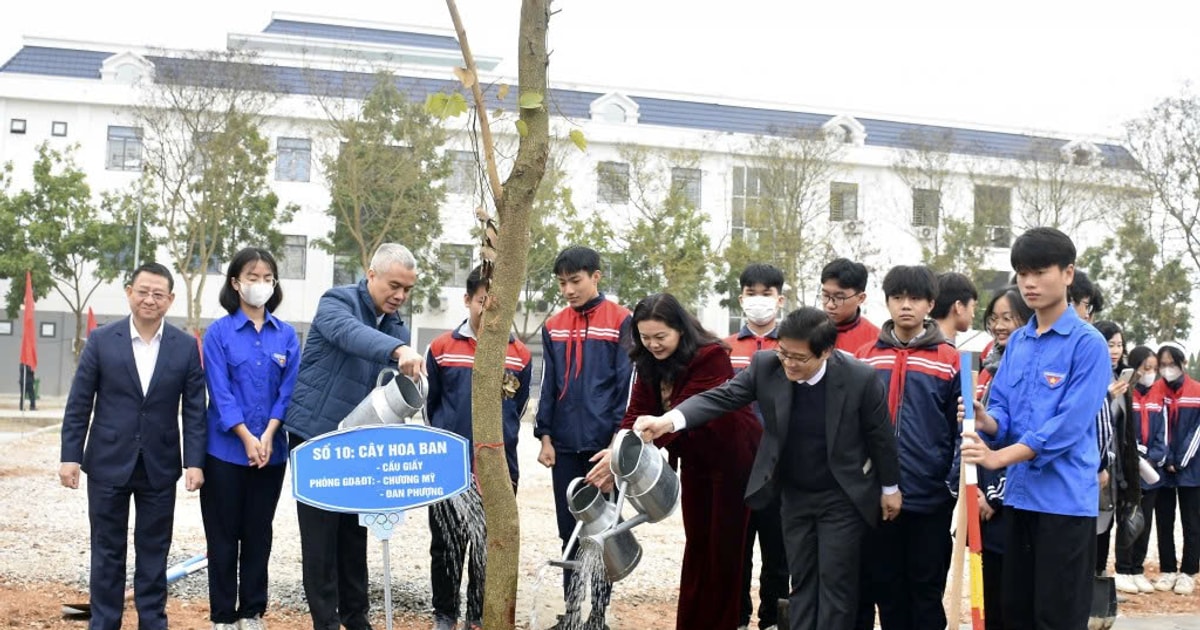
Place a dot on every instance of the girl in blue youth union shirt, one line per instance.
(251, 359)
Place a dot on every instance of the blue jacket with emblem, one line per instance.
(449, 362)
(585, 377)
(344, 353)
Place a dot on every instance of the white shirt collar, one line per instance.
(816, 378)
(466, 331)
(134, 334)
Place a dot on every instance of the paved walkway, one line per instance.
(1166, 622)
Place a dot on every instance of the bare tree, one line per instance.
(1065, 190)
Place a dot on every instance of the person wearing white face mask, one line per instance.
(1150, 430)
(251, 362)
(1181, 400)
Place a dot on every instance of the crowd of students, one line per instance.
(831, 443)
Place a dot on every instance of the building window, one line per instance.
(685, 182)
(124, 148)
(749, 192)
(993, 209)
(6, 327)
(455, 261)
(294, 259)
(347, 269)
(843, 201)
(464, 173)
(294, 160)
(612, 179)
(58, 129)
(17, 125)
(48, 329)
(927, 207)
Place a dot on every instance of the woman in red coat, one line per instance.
(675, 358)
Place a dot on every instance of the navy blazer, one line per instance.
(107, 395)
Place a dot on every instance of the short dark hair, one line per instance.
(475, 280)
(665, 308)
(810, 325)
(1014, 300)
(915, 281)
(1082, 289)
(1042, 247)
(230, 300)
(952, 287)
(154, 268)
(577, 258)
(1177, 355)
(1138, 356)
(759, 273)
(847, 273)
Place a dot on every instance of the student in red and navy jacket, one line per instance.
(761, 298)
(910, 556)
(448, 362)
(843, 291)
(1150, 428)
(585, 388)
(1181, 403)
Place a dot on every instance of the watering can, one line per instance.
(389, 403)
(649, 484)
(599, 527)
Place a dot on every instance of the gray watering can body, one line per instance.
(391, 402)
(651, 486)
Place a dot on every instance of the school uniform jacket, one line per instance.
(1183, 431)
(856, 333)
(1150, 427)
(744, 343)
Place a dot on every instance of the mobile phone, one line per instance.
(1126, 375)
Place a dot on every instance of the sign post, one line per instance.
(378, 472)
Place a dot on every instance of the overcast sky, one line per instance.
(1052, 65)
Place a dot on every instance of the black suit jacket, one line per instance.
(106, 406)
(859, 434)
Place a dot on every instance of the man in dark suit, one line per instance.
(132, 379)
(828, 450)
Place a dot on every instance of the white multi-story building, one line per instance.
(84, 93)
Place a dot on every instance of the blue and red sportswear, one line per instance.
(1150, 426)
(855, 333)
(1181, 400)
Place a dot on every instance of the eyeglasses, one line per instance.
(142, 294)
(787, 357)
(1007, 318)
(837, 299)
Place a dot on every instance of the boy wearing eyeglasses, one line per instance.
(909, 556)
(843, 291)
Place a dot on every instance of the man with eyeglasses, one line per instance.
(134, 376)
(843, 291)
(827, 453)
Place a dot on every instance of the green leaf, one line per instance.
(502, 91)
(530, 100)
(522, 128)
(578, 138)
(442, 106)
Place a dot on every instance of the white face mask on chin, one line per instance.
(760, 310)
(1147, 379)
(256, 294)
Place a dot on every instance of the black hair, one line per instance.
(1042, 247)
(916, 281)
(665, 308)
(847, 273)
(1109, 330)
(577, 258)
(1015, 301)
(1176, 354)
(810, 325)
(154, 268)
(229, 298)
(1082, 289)
(758, 273)
(1138, 356)
(952, 287)
(475, 280)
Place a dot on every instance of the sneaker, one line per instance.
(444, 623)
(1143, 585)
(1125, 583)
(1185, 584)
(252, 623)
(1165, 582)
(225, 626)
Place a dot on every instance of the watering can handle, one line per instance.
(384, 372)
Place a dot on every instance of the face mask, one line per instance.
(257, 293)
(1147, 379)
(760, 309)
(1170, 373)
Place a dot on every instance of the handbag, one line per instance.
(1104, 604)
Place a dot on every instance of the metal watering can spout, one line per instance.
(389, 403)
(650, 485)
(600, 528)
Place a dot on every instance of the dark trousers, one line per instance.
(568, 466)
(1103, 544)
(714, 522)
(767, 524)
(906, 571)
(108, 514)
(993, 570)
(823, 534)
(1130, 560)
(1164, 515)
(456, 529)
(333, 551)
(1049, 563)
(238, 505)
(1189, 513)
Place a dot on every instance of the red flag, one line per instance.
(28, 341)
(91, 325)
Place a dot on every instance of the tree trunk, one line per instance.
(513, 206)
